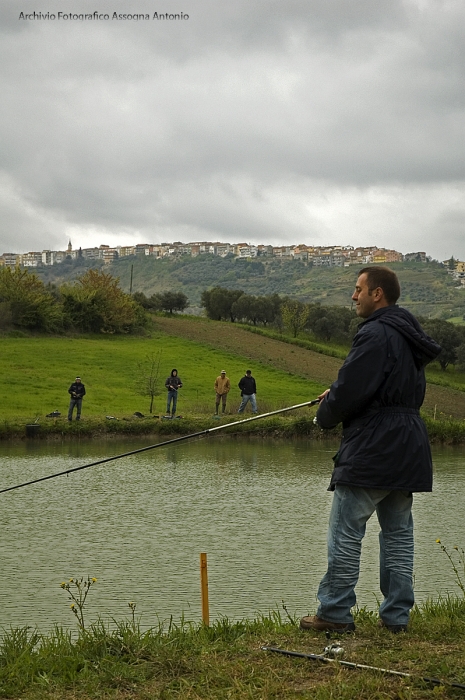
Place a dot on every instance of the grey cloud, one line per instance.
(210, 125)
(450, 226)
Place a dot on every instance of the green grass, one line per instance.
(178, 659)
(39, 370)
(457, 320)
(446, 430)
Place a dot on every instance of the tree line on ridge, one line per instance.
(95, 303)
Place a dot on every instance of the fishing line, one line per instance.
(161, 444)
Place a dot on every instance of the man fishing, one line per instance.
(172, 384)
(384, 456)
(248, 387)
(77, 391)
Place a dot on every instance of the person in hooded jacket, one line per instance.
(173, 383)
(384, 455)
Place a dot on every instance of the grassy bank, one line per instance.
(295, 424)
(225, 660)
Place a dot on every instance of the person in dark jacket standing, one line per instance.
(384, 456)
(77, 390)
(248, 389)
(173, 383)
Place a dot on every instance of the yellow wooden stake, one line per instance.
(204, 589)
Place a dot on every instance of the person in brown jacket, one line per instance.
(222, 387)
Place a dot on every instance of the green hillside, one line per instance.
(427, 289)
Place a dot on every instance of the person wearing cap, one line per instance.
(248, 389)
(222, 387)
(77, 391)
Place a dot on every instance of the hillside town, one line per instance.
(318, 256)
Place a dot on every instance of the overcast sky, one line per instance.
(299, 121)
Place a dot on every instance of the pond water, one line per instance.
(258, 508)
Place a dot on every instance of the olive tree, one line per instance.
(448, 337)
(294, 315)
(218, 303)
(172, 301)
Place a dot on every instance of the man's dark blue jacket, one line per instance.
(77, 390)
(377, 397)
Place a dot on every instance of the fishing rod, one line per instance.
(162, 444)
(363, 667)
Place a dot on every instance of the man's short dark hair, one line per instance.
(379, 276)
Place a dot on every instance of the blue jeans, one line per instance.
(245, 399)
(72, 404)
(351, 509)
(172, 396)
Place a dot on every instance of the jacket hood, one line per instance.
(424, 348)
(173, 371)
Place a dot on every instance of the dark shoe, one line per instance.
(395, 629)
(319, 625)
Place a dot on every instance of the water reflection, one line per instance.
(259, 509)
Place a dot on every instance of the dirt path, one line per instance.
(291, 358)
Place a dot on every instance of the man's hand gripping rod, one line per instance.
(162, 444)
